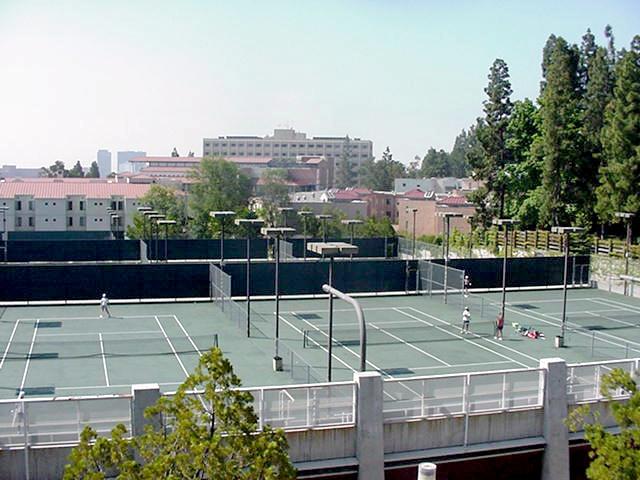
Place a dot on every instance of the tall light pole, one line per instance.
(446, 217)
(221, 216)
(628, 218)
(147, 216)
(4, 231)
(331, 250)
(166, 224)
(564, 231)
(284, 211)
(277, 233)
(141, 210)
(505, 223)
(323, 218)
(351, 223)
(250, 226)
(413, 245)
(304, 214)
(154, 218)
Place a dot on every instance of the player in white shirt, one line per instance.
(104, 306)
(466, 319)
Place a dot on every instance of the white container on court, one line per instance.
(427, 471)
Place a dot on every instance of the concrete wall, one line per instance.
(322, 444)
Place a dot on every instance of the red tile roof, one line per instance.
(415, 194)
(453, 200)
(346, 195)
(260, 160)
(64, 189)
(166, 159)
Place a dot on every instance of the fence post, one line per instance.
(555, 465)
(369, 425)
(144, 395)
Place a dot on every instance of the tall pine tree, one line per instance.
(562, 141)
(620, 176)
(491, 166)
(345, 176)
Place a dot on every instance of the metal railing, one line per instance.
(54, 421)
(462, 394)
(584, 379)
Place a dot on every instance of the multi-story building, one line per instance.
(103, 159)
(436, 184)
(124, 159)
(353, 202)
(286, 143)
(58, 205)
(11, 171)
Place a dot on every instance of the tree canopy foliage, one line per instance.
(213, 434)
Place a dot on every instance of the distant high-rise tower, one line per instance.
(104, 163)
(123, 160)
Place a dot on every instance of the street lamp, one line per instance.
(284, 211)
(4, 231)
(141, 210)
(277, 233)
(155, 217)
(331, 250)
(446, 217)
(505, 223)
(352, 224)
(323, 218)
(628, 218)
(304, 214)
(565, 231)
(147, 216)
(250, 225)
(222, 215)
(166, 224)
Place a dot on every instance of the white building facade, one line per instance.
(103, 159)
(286, 143)
(59, 206)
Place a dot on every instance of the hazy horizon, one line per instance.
(80, 76)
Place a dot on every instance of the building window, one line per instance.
(81, 204)
(46, 220)
(120, 205)
(70, 221)
(18, 205)
(113, 204)
(31, 221)
(82, 221)
(54, 204)
(31, 205)
(69, 205)
(18, 221)
(53, 219)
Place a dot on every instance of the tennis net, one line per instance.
(403, 332)
(437, 279)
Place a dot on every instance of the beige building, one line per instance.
(71, 205)
(427, 220)
(286, 143)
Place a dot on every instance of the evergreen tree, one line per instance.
(345, 176)
(620, 175)
(491, 166)
(94, 171)
(562, 141)
(458, 164)
(381, 174)
(435, 164)
(76, 171)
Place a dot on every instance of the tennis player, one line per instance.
(466, 319)
(499, 326)
(467, 284)
(104, 306)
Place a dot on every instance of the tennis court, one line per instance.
(68, 350)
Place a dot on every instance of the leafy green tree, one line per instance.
(345, 175)
(219, 185)
(94, 171)
(381, 174)
(167, 201)
(613, 456)
(76, 171)
(212, 435)
(435, 164)
(620, 174)
(56, 170)
(274, 193)
(491, 165)
(562, 141)
(458, 164)
(376, 228)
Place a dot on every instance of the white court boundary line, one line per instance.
(26, 366)
(186, 334)
(171, 346)
(115, 317)
(410, 345)
(6, 350)
(619, 305)
(78, 334)
(104, 360)
(466, 339)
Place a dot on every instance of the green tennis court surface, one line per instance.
(69, 350)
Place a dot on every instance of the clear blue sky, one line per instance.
(150, 75)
